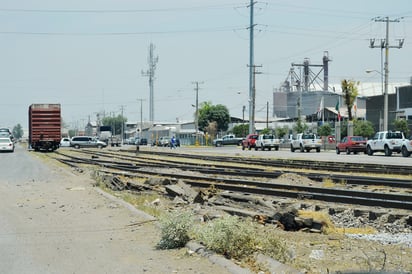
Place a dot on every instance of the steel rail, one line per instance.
(388, 200)
(259, 172)
(295, 163)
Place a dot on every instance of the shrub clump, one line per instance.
(239, 239)
(175, 229)
(233, 237)
(228, 236)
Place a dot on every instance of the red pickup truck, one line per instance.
(250, 141)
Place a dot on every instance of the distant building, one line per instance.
(286, 105)
(399, 106)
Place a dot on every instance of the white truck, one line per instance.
(306, 141)
(267, 141)
(385, 141)
(105, 135)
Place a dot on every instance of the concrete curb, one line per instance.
(217, 259)
(130, 207)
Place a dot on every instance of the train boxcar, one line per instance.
(44, 126)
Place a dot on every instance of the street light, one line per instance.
(385, 96)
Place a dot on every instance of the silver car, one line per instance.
(86, 141)
(6, 144)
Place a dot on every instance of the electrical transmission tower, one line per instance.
(150, 73)
(385, 45)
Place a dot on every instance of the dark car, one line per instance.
(350, 144)
(143, 142)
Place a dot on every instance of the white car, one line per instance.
(65, 142)
(6, 144)
(407, 147)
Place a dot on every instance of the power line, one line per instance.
(200, 8)
(223, 29)
(385, 45)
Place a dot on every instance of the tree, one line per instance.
(281, 131)
(350, 91)
(300, 127)
(265, 131)
(363, 128)
(325, 130)
(401, 125)
(17, 131)
(115, 122)
(209, 113)
(240, 130)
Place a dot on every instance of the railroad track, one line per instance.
(295, 163)
(232, 178)
(259, 169)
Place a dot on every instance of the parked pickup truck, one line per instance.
(227, 140)
(306, 141)
(267, 141)
(385, 141)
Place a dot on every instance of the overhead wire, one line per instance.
(173, 9)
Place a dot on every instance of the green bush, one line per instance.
(175, 229)
(228, 236)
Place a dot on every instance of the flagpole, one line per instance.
(337, 127)
(323, 111)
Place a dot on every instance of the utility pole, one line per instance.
(243, 117)
(251, 68)
(385, 44)
(122, 128)
(267, 115)
(150, 73)
(141, 117)
(252, 100)
(197, 111)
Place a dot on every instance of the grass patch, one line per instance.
(144, 203)
(328, 182)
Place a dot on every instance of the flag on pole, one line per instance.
(320, 109)
(337, 109)
(355, 107)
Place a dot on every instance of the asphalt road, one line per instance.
(285, 153)
(54, 221)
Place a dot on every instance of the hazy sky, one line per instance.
(88, 55)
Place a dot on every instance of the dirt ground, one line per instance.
(65, 226)
(54, 221)
(335, 252)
